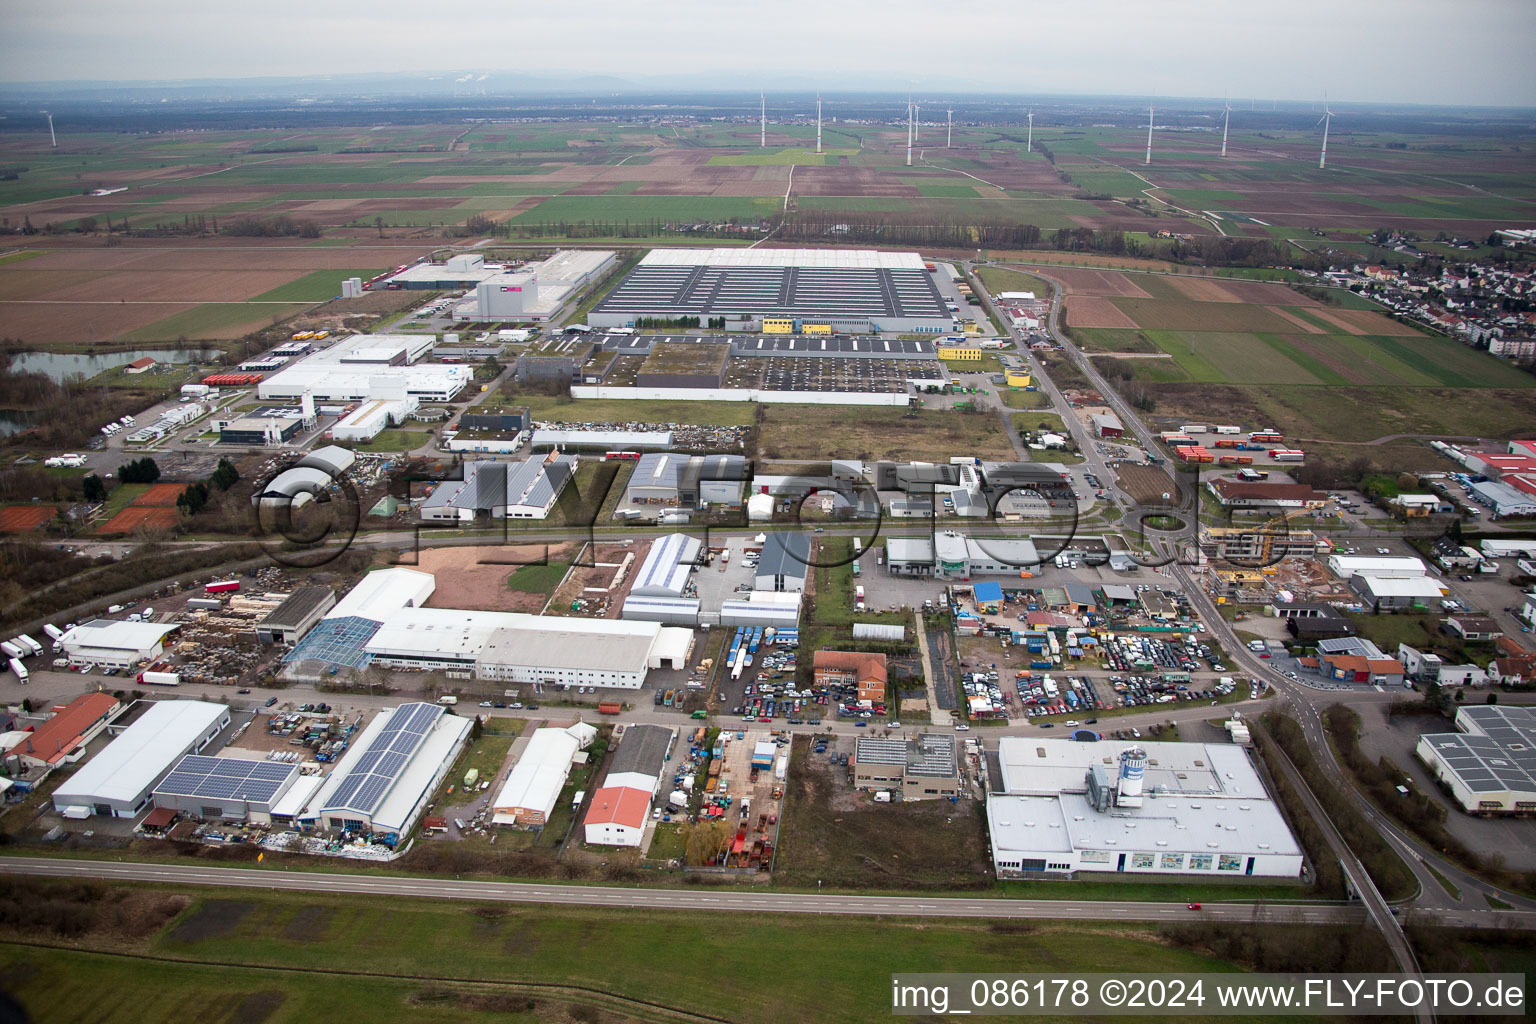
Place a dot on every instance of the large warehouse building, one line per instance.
(340, 639)
(686, 481)
(369, 366)
(534, 783)
(662, 579)
(846, 291)
(515, 647)
(118, 781)
(227, 788)
(111, 643)
(501, 490)
(620, 809)
(1490, 765)
(535, 292)
(1156, 808)
(383, 783)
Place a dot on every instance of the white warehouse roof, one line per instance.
(666, 566)
(383, 592)
(1346, 566)
(861, 259)
(535, 782)
(1403, 586)
(129, 765)
(117, 635)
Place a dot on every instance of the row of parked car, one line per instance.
(1129, 653)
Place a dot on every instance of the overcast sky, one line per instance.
(1409, 51)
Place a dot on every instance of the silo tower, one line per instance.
(1133, 765)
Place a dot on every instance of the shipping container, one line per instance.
(160, 678)
(222, 587)
(609, 707)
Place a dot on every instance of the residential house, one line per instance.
(852, 668)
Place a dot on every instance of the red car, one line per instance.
(1194, 906)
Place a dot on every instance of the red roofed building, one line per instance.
(140, 365)
(1357, 668)
(844, 668)
(617, 816)
(64, 736)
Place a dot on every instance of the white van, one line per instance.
(448, 699)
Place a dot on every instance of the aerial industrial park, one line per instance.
(1049, 534)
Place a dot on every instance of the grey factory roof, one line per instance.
(587, 645)
(1496, 754)
(643, 750)
(749, 345)
(720, 282)
(379, 766)
(660, 469)
(227, 778)
(298, 606)
(489, 485)
(785, 554)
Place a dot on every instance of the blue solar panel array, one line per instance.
(225, 778)
(369, 779)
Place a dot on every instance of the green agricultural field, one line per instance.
(1023, 399)
(933, 190)
(315, 287)
(1001, 279)
(1337, 360)
(277, 958)
(538, 579)
(1030, 422)
(19, 255)
(1112, 339)
(574, 209)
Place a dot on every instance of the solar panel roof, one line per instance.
(226, 779)
(371, 776)
(776, 291)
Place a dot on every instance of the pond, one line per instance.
(59, 365)
(13, 420)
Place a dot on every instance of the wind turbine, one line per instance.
(762, 122)
(1327, 119)
(1151, 113)
(909, 131)
(818, 122)
(950, 137)
(1224, 125)
(917, 120)
(51, 137)
(1030, 143)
